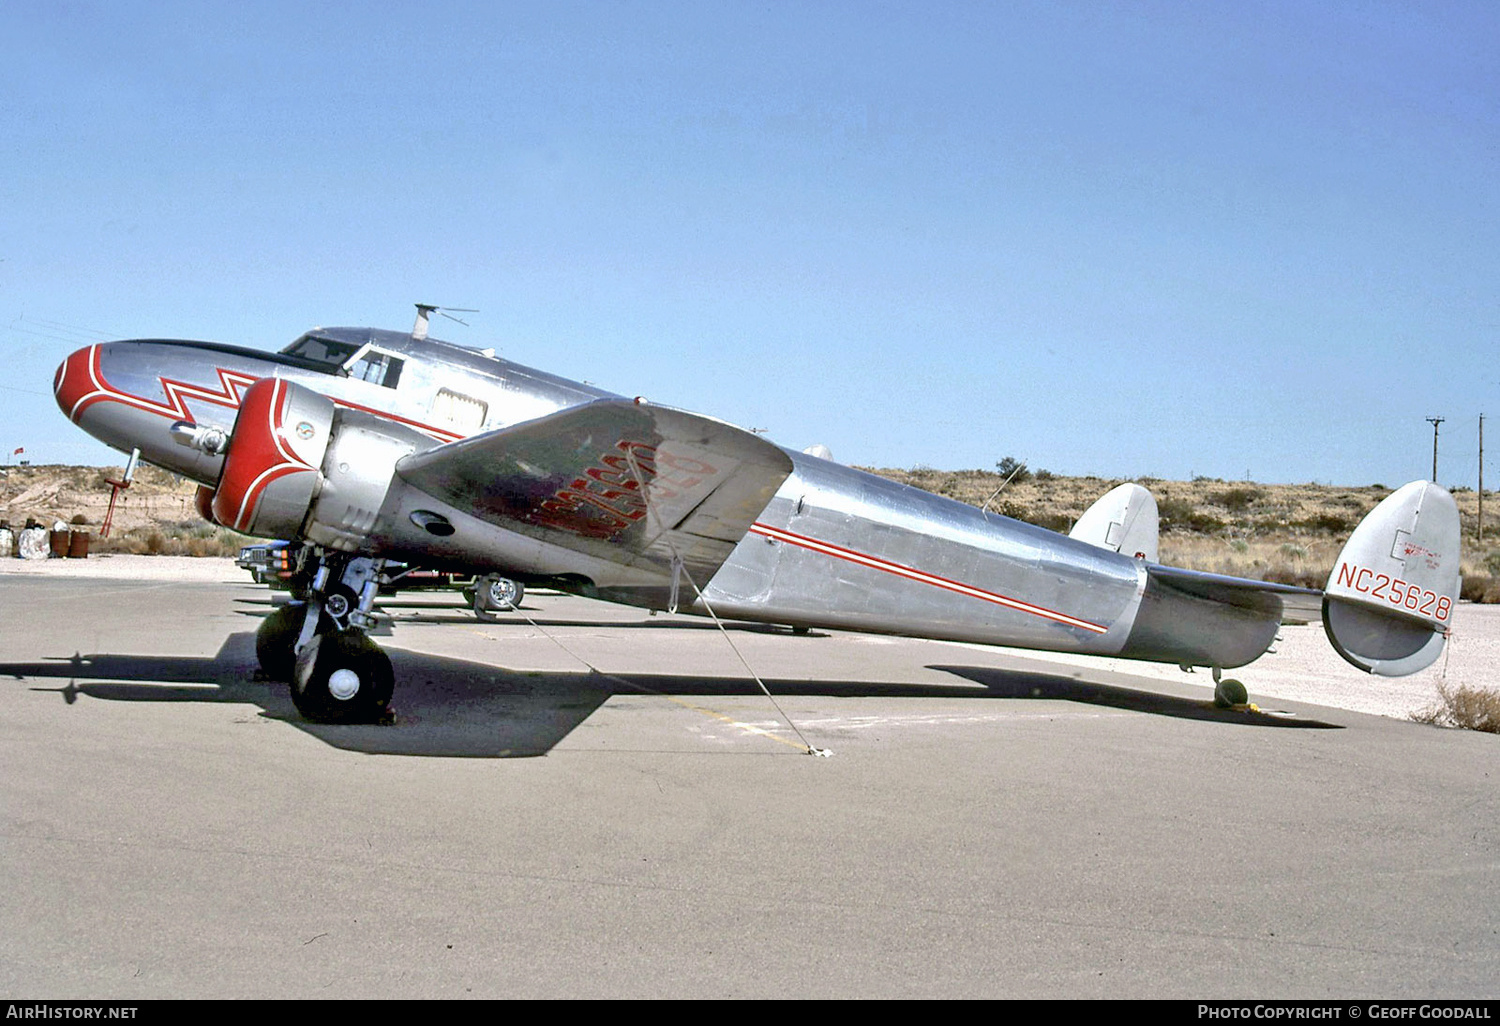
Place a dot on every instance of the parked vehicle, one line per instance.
(277, 565)
(493, 595)
(268, 563)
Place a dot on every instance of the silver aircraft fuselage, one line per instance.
(836, 547)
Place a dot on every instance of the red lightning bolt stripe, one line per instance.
(230, 394)
(82, 384)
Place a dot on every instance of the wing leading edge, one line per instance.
(622, 481)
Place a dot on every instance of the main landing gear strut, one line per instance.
(317, 643)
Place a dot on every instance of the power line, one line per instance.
(73, 329)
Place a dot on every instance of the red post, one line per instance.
(115, 488)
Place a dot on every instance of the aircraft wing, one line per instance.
(1297, 605)
(623, 481)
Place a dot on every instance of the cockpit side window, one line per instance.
(377, 368)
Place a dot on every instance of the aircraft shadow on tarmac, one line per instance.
(431, 614)
(1017, 684)
(456, 708)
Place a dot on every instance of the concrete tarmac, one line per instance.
(988, 825)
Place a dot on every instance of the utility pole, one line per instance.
(1434, 421)
(1481, 479)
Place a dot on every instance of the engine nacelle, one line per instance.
(271, 467)
(203, 502)
(357, 472)
(298, 466)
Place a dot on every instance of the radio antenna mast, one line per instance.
(425, 312)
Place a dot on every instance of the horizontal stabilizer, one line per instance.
(1289, 603)
(1389, 602)
(1123, 519)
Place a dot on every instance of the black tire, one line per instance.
(276, 639)
(1230, 693)
(342, 677)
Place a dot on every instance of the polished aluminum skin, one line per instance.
(842, 548)
(450, 457)
(129, 394)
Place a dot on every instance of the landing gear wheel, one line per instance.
(1230, 693)
(495, 594)
(342, 677)
(276, 641)
(338, 603)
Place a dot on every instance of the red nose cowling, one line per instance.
(77, 383)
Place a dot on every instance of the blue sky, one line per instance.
(1124, 239)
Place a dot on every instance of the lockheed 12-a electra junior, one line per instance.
(366, 448)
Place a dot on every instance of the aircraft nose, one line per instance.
(76, 379)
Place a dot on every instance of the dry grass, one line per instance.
(1464, 706)
(1277, 532)
(183, 539)
(1284, 557)
(155, 516)
(80, 495)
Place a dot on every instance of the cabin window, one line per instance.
(377, 368)
(461, 411)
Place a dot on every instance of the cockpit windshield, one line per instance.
(322, 350)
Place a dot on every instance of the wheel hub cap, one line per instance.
(343, 684)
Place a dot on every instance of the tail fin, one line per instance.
(1390, 599)
(1123, 519)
